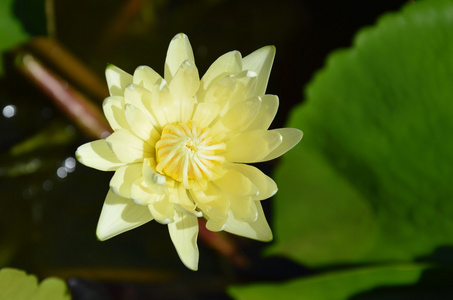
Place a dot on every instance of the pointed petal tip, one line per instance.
(268, 238)
(273, 192)
(183, 233)
(180, 35)
(102, 235)
(300, 134)
(190, 264)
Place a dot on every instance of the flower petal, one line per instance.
(140, 98)
(179, 51)
(235, 183)
(266, 186)
(243, 209)
(146, 77)
(219, 91)
(144, 195)
(260, 61)
(244, 88)
(186, 81)
(290, 138)
(140, 124)
(215, 225)
(180, 197)
(128, 147)
(119, 215)
(258, 230)
(205, 113)
(227, 64)
(184, 232)
(252, 146)
(114, 112)
(266, 114)
(117, 80)
(242, 114)
(98, 155)
(151, 179)
(212, 202)
(162, 210)
(162, 105)
(123, 179)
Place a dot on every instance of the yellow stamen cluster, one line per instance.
(186, 152)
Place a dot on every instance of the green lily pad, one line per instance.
(331, 286)
(17, 285)
(372, 179)
(11, 31)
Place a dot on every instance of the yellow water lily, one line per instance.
(180, 143)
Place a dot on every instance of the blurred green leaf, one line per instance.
(371, 180)
(17, 285)
(11, 31)
(331, 286)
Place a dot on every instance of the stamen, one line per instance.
(186, 153)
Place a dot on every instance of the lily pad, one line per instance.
(371, 181)
(331, 286)
(11, 31)
(17, 285)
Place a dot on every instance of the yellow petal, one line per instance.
(186, 81)
(227, 64)
(260, 61)
(215, 225)
(114, 112)
(123, 179)
(154, 181)
(162, 211)
(219, 91)
(266, 186)
(235, 183)
(258, 230)
(244, 88)
(290, 138)
(140, 98)
(169, 103)
(98, 155)
(117, 80)
(242, 114)
(243, 209)
(139, 124)
(212, 202)
(145, 77)
(205, 113)
(252, 146)
(266, 114)
(180, 197)
(128, 147)
(162, 104)
(179, 51)
(143, 195)
(119, 215)
(184, 232)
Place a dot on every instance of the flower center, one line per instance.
(186, 152)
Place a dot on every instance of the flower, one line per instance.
(180, 143)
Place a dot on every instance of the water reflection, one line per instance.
(9, 111)
(68, 166)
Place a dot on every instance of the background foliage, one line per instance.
(371, 181)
